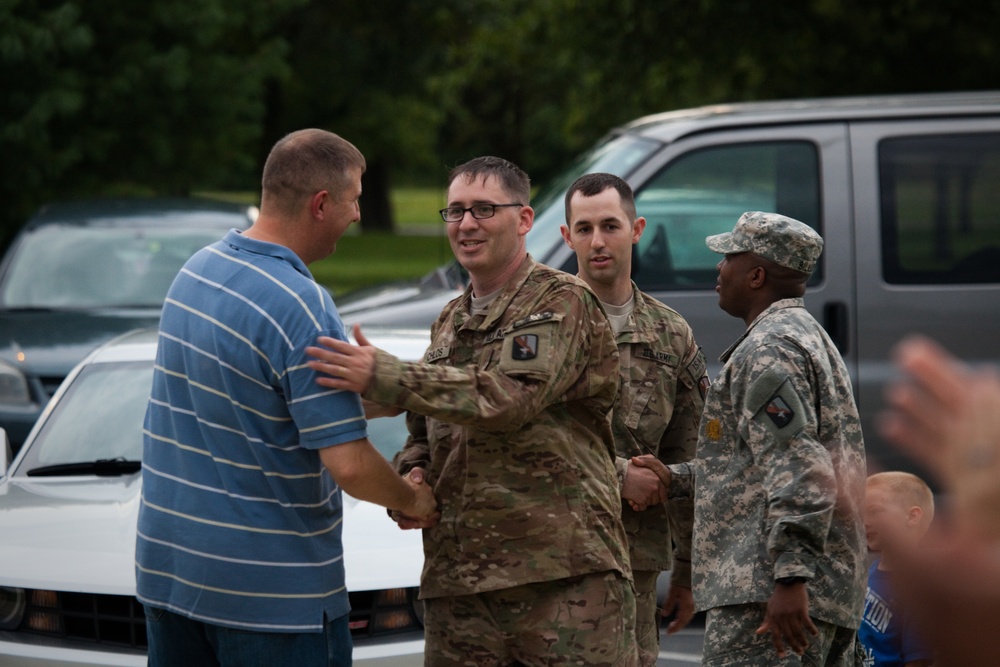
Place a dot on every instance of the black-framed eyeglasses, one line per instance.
(479, 211)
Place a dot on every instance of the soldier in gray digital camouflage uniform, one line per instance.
(779, 477)
(660, 399)
(509, 421)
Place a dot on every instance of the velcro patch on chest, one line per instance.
(438, 353)
(659, 357)
(713, 430)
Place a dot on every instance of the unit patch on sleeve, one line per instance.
(525, 347)
(779, 412)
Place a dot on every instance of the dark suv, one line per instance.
(80, 273)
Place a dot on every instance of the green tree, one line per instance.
(165, 96)
(538, 81)
(121, 97)
(505, 82)
(360, 71)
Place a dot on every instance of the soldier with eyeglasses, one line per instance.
(508, 415)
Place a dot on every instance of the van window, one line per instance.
(704, 192)
(940, 200)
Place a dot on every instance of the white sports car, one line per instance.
(68, 508)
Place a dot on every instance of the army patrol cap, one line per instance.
(784, 241)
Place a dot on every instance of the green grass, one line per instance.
(414, 208)
(368, 259)
(363, 259)
(418, 207)
(419, 246)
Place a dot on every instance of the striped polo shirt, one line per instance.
(240, 523)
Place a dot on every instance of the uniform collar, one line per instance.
(500, 303)
(235, 239)
(631, 332)
(783, 304)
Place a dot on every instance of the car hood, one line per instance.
(79, 535)
(69, 534)
(51, 342)
(403, 306)
(377, 554)
(412, 304)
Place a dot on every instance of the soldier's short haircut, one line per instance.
(590, 185)
(908, 488)
(513, 179)
(303, 163)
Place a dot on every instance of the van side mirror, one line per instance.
(6, 453)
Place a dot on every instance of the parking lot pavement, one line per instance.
(684, 648)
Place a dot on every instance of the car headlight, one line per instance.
(376, 613)
(13, 385)
(12, 606)
(394, 611)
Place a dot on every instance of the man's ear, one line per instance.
(526, 219)
(637, 228)
(317, 203)
(757, 277)
(566, 237)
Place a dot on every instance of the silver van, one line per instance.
(904, 189)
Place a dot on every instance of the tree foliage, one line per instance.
(360, 70)
(122, 97)
(167, 96)
(543, 79)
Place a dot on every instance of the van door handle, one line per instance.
(835, 323)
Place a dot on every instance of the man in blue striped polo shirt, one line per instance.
(239, 558)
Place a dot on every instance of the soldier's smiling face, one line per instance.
(487, 247)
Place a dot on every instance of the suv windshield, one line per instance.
(619, 155)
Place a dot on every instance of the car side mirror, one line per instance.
(6, 453)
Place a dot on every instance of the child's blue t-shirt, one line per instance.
(889, 636)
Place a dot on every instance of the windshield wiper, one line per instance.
(101, 467)
(29, 309)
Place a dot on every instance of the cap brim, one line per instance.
(723, 244)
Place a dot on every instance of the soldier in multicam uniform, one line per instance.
(508, 418)
(659, 401)
(779, 543)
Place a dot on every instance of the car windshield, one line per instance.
(74, 267)
(99, 418)
(619, 155)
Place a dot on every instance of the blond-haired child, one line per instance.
(899, 508)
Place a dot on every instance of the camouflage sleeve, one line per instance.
(681, 481)
(680, 516)
(416, 452)
(678, 446)
(576, 358)
(621, 467)
(779, 423)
